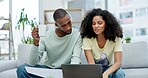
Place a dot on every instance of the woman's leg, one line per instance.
(118, 74)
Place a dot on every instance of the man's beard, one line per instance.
(65, 31)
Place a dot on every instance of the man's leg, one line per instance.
(22, 73)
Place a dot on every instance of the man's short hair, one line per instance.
(59, 13)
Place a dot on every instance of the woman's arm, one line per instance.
(89, 56)
(116, 65)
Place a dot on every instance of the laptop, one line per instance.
(82, 70)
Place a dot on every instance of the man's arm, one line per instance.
(35, 55)
(77, 52)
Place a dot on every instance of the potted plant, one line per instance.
(21, 24)
(128, 39)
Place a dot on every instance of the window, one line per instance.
(125, 2)
(126, 17)
(4, 32)
(4, 11)
(142, 11)
(128, 33)
(147, 10)
(136, 12)
(141, 32)
(31, 9)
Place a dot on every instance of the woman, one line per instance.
(102, 43)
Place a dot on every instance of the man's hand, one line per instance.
(35, 36)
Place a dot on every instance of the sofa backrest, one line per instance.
(135, 55)
(83, 58)
(24, 51)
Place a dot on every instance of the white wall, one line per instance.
(48, 5)
(138, 21)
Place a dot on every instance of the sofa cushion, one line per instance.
(136, 73)
(23, 54)
(8, 74)
(7, 65)
(83, 58)
(135, 55)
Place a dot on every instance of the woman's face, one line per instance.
(98, 25)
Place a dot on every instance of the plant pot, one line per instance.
(128, 41)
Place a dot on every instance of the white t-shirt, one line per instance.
(103, 55)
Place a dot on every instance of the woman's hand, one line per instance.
(105, 75)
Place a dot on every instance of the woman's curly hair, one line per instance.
(112, 29)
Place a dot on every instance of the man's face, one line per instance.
(64, 24)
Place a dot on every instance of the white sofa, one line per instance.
(135, 60)
(8, 68)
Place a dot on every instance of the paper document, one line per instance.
(44, 72)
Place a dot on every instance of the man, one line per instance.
(62, 45)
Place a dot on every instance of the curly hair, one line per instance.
(112, 28)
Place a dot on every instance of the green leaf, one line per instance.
(23, 21)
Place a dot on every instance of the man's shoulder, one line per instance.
(75, 31)
(75, 34)
(49, 31)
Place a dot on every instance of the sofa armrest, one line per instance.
(7, 65)
(23, 53)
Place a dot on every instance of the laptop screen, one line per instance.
(82, 70)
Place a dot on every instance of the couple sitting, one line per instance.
(101, 35)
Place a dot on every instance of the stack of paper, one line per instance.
(44, 72)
